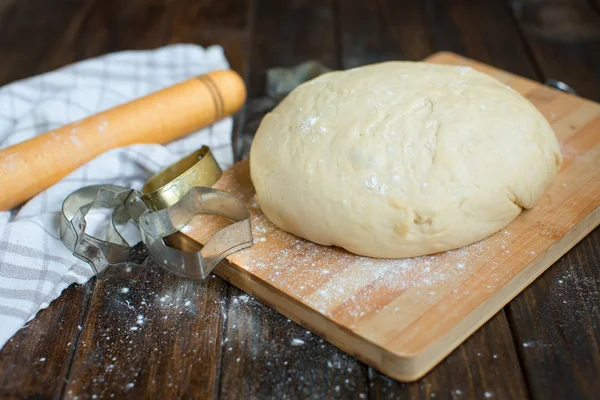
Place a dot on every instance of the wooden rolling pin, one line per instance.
(32, 166)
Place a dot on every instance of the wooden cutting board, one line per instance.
(404, 316)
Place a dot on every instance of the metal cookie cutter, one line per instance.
(162, 212)
(97, 252)
(155, 226)
(560, 86)
(172, 183)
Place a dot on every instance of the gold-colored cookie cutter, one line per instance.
(167, 203)
(172, 183)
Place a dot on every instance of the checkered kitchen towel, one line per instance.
(35, 267)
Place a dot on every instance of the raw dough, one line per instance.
(401, 159)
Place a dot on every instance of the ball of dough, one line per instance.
(401, 159)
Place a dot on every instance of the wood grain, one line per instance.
(160, 117)
(35, 361)
(376, 31)
(490, 37)
(564, 39)
(484, 366)
(150, 334)
(308, 33)
(557, 324)
(57, 24)
(267, 356)
(556, 339)
(352, 307)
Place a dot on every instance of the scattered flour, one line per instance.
(327, 279)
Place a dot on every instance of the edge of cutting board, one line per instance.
(407, 367)
(404, 367)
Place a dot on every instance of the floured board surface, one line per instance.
(404, 316)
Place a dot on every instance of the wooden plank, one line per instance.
(34, 362)
(214, 22)
(159, 335)
(377, 31)
(115, 26)
(265, 354)
(556, 324)
(380, 31)
(564, 38)
(371, 293)
(481, 30)
(38, 36)
(155, 335)
(555, 321)
(288, 33)
(484, 366)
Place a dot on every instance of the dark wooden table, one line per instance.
(208, 339)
